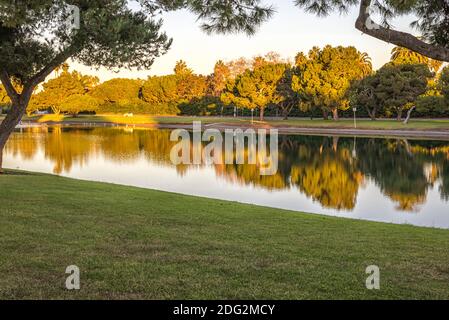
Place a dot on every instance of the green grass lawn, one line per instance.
(137, 243)
(415, 124)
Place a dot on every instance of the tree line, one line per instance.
(326, 81)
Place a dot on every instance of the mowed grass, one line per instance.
(414, 124)
(132, 243)
(390, 124)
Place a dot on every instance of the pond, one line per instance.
(389, 180)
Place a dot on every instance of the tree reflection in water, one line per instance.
(329, 170)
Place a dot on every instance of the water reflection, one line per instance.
(324, 174)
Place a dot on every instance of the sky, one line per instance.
(290, 31)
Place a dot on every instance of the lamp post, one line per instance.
(355, 119)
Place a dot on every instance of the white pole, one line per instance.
(355, 120)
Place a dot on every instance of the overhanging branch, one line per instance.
(57, 61)
(10, 90)
(398, 38)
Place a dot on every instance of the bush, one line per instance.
(138, 106)
(432, 106)
(206, 106)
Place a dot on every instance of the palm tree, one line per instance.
(400, 55)
(435, 65)
(365, 63)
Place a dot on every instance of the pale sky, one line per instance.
(290, 31)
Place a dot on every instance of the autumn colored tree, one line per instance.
(181, 68)
(217, 80)
(3, 95)
(323, 77)
(188, 84)
(4, 99)
(174, 89)
(255, 88)
(239, 66)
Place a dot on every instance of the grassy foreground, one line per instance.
(137, 243)
(391, 124)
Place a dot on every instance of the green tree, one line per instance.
(109, 34)
(323, 77)
(287, 97)
(363, 94)
(256, 88)
(444, 83)
(432, 105)
(399, 86)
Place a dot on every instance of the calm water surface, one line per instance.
(390, 180)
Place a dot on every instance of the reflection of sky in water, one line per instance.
(151, 172)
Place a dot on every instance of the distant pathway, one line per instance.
(410, 133)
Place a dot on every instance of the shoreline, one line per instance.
(282, 129)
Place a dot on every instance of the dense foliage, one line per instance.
(394, 88)
(324, 76)
(325, 81)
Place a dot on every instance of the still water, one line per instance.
(390, 180)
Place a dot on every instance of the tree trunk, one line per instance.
(335, 114)
(9, 123)
(286, 111)
(372, 114)
(1, 159)
(325, 114)
(261, 113)
(399, 115)
(409, 113)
